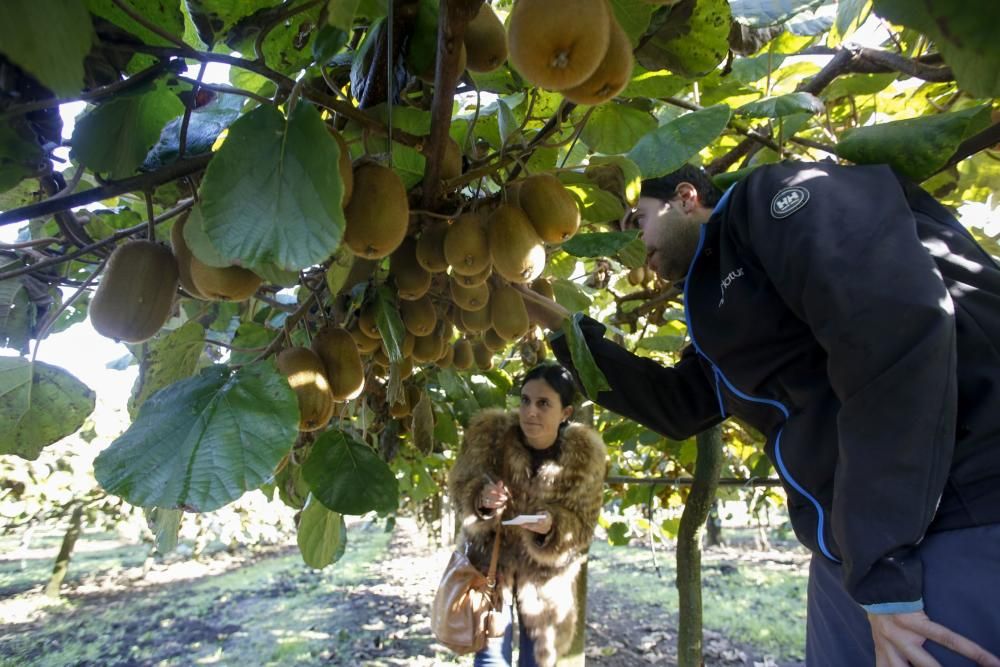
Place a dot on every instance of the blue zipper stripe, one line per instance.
(766, 401)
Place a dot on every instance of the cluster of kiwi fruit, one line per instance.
(136, 294)
(575, 47)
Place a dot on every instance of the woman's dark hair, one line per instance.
(557, 377)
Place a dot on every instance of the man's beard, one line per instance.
(674, 259)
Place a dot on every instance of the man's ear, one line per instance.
(689, 197)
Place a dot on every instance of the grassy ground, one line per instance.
(752, 598)
(368, 609)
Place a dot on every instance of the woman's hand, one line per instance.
(542, 526)
(899, 640)
(494, 496)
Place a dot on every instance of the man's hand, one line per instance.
(899, 640)
(542, 309)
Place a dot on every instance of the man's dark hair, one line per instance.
(665, 187)
(557, 377)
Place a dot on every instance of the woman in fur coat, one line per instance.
(532, 462)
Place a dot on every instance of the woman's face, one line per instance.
(541, 413)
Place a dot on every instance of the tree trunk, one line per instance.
(706, 476)
(713, 527)
(65, 552)
(576, 657)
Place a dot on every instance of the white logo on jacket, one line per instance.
(727, 281)
(788, 201)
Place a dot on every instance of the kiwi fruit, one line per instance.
(136, 294)
(473, 297)
(476, 321)
(307, 377)
(430, 247)
(611, 76)
(517, 251)
(466, 245)
(344, 164)
(339, 354)
(419, 316)
(462, 357)
(475, 279)
(377, 219)
(485, 41)
(550, 207)
(366, 344)
(227, 283)
(493, 341)
(183, 255)
(558, 45)
(482, 355)
(507, 313)
(543, 287)
(412, 280)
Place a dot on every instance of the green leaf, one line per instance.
(20, 154)
(964, 32)
(598, 244)
(340, 14)
(596, 204)
(760, 13)
(654, 84)
(662, 343)
(164, 14)
(633, 255)
(348, 477)
(618, 534)
(916, 147)
(165, 524)
(329, 43)
(115, 137)
(215, 18)
(782, 105)
(633, 17)
(39, 405)
(630, 172)
(390, 325)
(570, 296)
(322, 535)
(749, 70)
(17, 316)
(252, 337)
(857, 84)
(849, 14)
(271, 195)
(615, 128)
(691, 38)
(203, 442)
(166, 360)
(204, 127)
(506, 122)
(670, 147)
(288, 45)
(590, 374)
(105, 223)
(409, 164)
(501, 81)
(49, 39)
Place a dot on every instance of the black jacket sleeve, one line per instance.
(677, 401)
(850, 265)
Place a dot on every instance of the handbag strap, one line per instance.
(491, 575)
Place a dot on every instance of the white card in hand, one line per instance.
(523, 519)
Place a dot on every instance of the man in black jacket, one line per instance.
(852, 320)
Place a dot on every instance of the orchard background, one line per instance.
(259, 171)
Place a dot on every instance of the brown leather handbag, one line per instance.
(467, 607)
